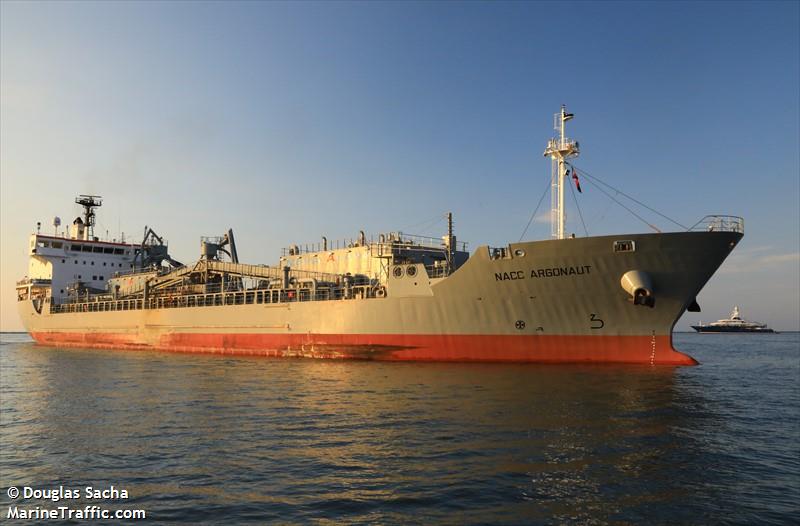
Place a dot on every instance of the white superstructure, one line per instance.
(76, 260)
(69, 261)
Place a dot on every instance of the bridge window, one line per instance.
(99, 250)
(57, 244)
(108, 250)
(117, 251)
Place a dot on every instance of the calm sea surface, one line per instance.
(207, 439)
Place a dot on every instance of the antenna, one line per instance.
(559, 149)
(89, 202)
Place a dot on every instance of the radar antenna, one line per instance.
(89, 203)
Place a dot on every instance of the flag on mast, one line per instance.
(575, 178)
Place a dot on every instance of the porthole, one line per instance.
(411, 270)
(398, 272)
(519, 253)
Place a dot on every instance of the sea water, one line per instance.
(210, 439)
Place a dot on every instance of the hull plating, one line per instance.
(550, 301)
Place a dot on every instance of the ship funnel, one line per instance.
(639, 285)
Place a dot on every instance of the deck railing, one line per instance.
(383, 240)
(245, 297)
(719, 223)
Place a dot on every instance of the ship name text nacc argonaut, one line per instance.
(394, 296)
(544, 273)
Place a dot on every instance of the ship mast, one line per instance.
(559, 149)
(89, 203)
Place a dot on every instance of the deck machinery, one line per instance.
(362, 272)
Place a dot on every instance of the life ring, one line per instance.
(411, 271)
(380, 292)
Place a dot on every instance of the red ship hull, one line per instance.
(651, 350)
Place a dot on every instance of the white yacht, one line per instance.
(733, 324)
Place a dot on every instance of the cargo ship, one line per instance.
(734, 323)
(393, 296)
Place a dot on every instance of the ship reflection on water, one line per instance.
(206, 438)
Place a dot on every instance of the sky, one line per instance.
(290, 121)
